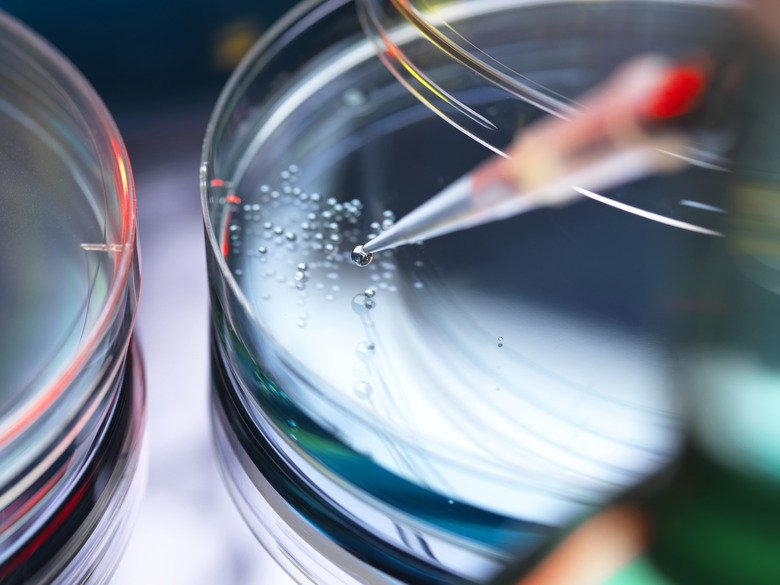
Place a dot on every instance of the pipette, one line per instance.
(621, 134)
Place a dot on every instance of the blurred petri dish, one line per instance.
(430, 416)
(72, 398)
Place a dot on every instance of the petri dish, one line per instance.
(72, 398)
(431, 416)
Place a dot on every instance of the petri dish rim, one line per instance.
(107, 147)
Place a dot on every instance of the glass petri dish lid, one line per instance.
(71, 276)
(446, 35)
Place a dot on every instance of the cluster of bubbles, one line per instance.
(303, 238)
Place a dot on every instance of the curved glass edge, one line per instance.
(110, 333)
(82, 540)
(398, 531)
(431, 22)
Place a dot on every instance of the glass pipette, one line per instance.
(622, 133)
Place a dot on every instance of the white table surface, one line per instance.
(187, 531)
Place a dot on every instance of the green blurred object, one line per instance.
(714, 516)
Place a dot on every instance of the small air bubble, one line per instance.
(262, 250)
(278, 230)
(291, 237)
(365, 349)
(353, 97)
(369, 292)
(363, 389)
(303, 266)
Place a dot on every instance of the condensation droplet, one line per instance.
(303, 266)
(365, 349)
(353, 97)
(363, 389)
(369, 292)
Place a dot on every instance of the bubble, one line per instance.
(262, 250)
(500, 338)
(291, 237)
(365, 350)
(301, 276)
(369, 292)
(418, 284)
(387, 223)
(265, 188)
(293, 168)
(303, 266)
(278, 230)
(353, 97)
(330, 298)
(360, 257)
(285, 174)
(363, 389)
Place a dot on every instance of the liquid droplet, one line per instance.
(369, 292)
(365, 350)
(360, 257)
(363, 389)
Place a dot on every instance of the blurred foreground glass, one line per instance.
(71, 380)
(431, 417)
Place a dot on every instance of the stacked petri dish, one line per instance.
(72, 398)
(431, 416)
